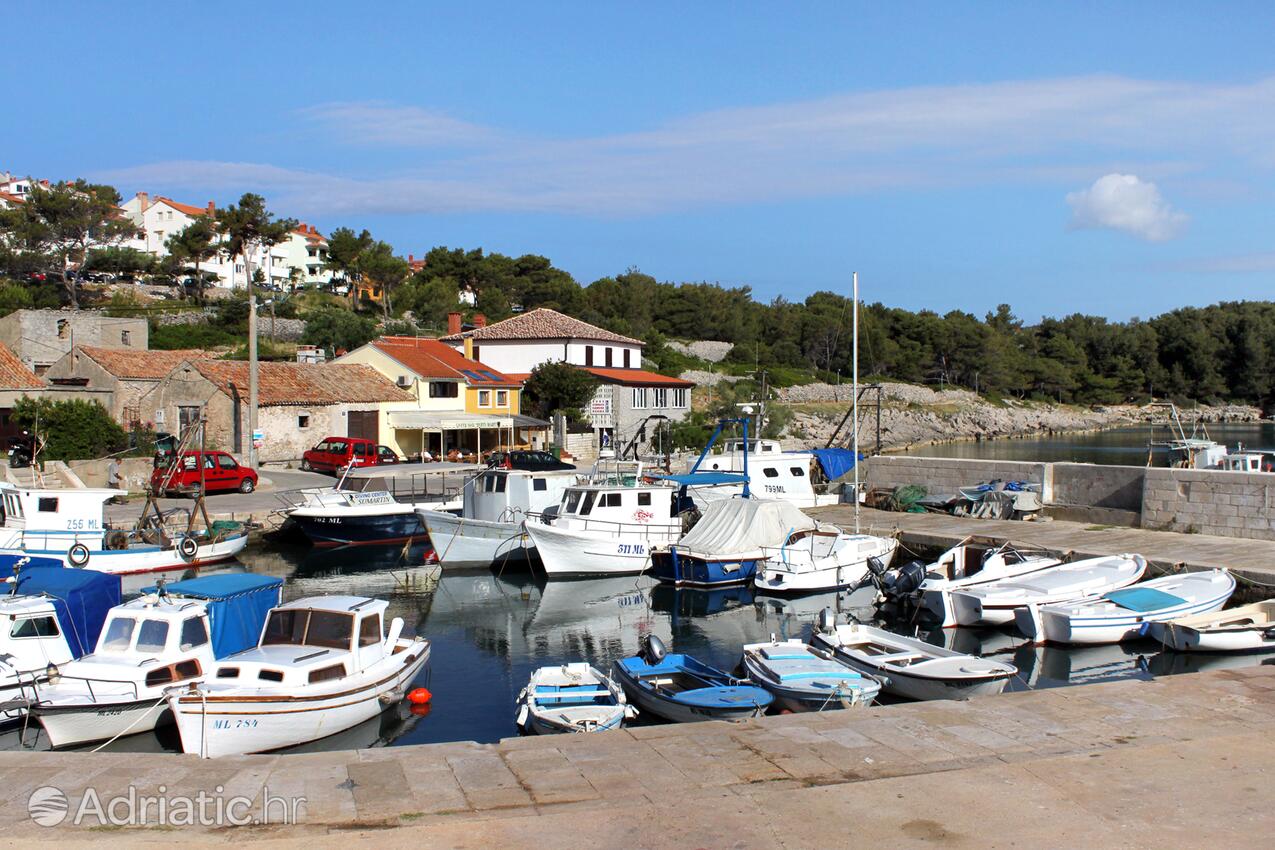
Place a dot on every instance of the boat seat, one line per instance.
(897, 657)
(571, 694)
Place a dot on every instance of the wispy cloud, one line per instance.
(1125, 203)
(1010, 132)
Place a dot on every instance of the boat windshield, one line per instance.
(152, 636)
(573, 501)
(118, 635)
(296, 627)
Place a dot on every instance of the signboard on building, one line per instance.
(258, 438)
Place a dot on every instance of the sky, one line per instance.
(1107, 158)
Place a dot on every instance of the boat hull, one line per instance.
(144, 560)
(1057, 627)
(461, 542)
(1259, 638)
(334, 530)
(775, 578)
(678, 712)
(74, 725)
(565, 554)
(685, 570)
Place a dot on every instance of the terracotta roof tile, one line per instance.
(14, 375)
(431, 358)
(144, 365)
(180, 207)
(303, 383)
(636, 377)
(543, 323)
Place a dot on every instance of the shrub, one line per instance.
(71, 430)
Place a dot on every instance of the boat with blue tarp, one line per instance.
(677, 687)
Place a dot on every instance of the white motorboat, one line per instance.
(909, 667)
(799, 477)
(53, 615)
(169, 635)
(572, 698)
(488, 529)
(323, 665)
(994, 603)
(823, 558)
(1248, 628)
(1128, 612)
(806, 678)
(70, 525)
(972, 563)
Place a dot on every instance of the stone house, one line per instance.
(127, 374)
(40, 338)
(299, 404)
(16, 381)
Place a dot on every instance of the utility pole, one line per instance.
(252, 362)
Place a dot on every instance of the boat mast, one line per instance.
(854, 324)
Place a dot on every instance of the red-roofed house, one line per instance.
(461, 404)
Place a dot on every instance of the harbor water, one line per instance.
(490, 630)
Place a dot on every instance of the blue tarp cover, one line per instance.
(27, 561)
(81, 599)
(835, 462)
(704, 479)
(1143, 599)
(237, 606)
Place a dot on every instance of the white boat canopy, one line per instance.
(738, 526)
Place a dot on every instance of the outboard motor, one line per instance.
(827, 623)
(651, 650)
(905, 580)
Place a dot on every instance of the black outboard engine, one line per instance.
(651, 650)
(905, 580)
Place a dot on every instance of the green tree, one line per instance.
(378, 265)
(247, 227)
(14, 296)
(558, 387)
(70, 430)
(338, 330)
(344, 249)
(196, 244)
(117, 260)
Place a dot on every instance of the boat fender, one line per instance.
(78, 555)
(653, 650)
(419, 696)
(522, 716)
(391, 637)
(187, 548)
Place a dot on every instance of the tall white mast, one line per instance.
(855, 328)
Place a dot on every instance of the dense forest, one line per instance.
(1221, 352)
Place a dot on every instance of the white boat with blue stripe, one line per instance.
(572, 698)
(804, 678)
(1127, 613)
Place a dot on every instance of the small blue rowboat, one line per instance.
(571, 698)
(804, 678)
(679, 688)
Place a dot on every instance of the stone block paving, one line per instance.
(718, 767)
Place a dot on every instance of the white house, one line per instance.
(307, 250)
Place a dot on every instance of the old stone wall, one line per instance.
(1098, 486)
(1205, 501)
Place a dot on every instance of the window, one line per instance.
(587, 507)
(661, 397)
(443, 389)
(152, 636)
(573, 501)
(227, 462)
(627, 352)
(588, 355)
(47, 505)
(484, 398)
(644, 498)
(119, 633)
(303, 421)
(227, 672)
(770, 472)
(502, 398)
(270, 675)
(329, 628)
(679, 398)
(210, 462)
(539, 484)
(360, 449)
(327, 674)
(370, 630)
(124, 338)
(608, 350)
(477, 353)
(194, 633)
(501, 482)
(64, 328)
(639, 398)
(34, 627)
(609, 500)
(797, 472)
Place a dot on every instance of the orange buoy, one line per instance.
(419, 696)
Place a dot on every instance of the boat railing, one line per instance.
(58, 541)
(88, 683)
(664, 531)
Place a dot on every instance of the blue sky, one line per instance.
(1103, 158)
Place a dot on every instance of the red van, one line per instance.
(336, 453)
(220, 472)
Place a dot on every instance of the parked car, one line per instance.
(533, 461)
(384, 455)
(336, 453)
(220, 472)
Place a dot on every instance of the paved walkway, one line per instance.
(1253, 559)
(1179, 761)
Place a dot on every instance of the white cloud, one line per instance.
(1123, 202)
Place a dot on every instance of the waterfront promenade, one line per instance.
(1179, 761)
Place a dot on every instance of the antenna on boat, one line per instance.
(854, 324)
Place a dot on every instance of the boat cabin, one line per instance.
(1243, 461)
(507, 495)
(587, 506)
(313, 640)
(53, 519)
(158, 640)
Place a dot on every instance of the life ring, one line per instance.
(77, 555)
(187, 548)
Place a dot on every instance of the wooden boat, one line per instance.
(679, 688)
(908, 667)
(572, 698)
(323, 665)
(994, 603)
(1249, 628)
(804, 678)
(1127, 613)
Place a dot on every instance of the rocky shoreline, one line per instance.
(916, 416)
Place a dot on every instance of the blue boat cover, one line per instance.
(81, 599)
(704, 479)
(237, 606)
(835, 462)
(727, 697)
(8, 561)
(1143, 599)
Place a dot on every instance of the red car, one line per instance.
(220, 472)
(336, 453)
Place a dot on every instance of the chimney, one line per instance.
(212, 210)
(145, 200)
(469, 348)
(411, 258)
(453, 323)
(480, 321)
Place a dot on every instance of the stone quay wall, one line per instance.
(1206, 501)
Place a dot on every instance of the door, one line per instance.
(363, 425)
(187, 417)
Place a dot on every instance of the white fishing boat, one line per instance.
(572, 698)
(323, 665)
(820, 559)
(70, 525)
(909, 667)
(973, 563)
(806, 678)
(803, 478)
(994, 603)
(1128, 612)
(172, 634)
(488, 529)
(52, 615)
(1248, 628)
